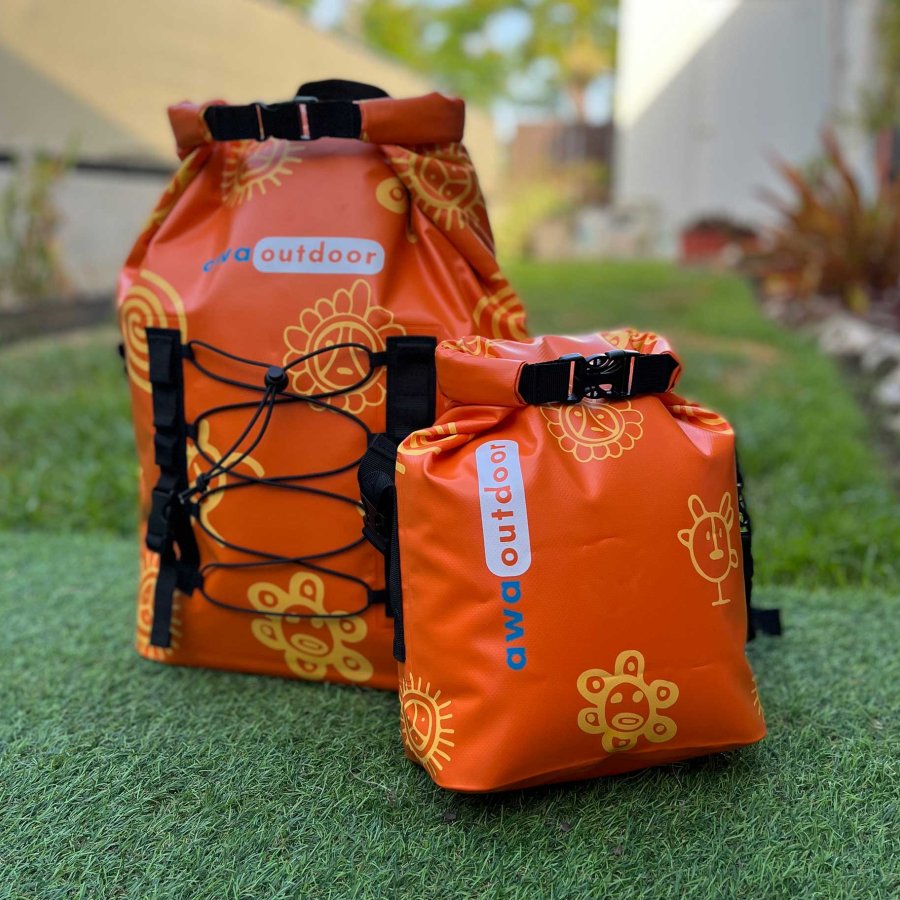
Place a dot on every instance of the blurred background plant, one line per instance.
(31, 270)
(542, 53)
(532, 64)
(529, 204)
(832, 240)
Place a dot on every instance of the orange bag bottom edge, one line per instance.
(257, 666)
(610, 766)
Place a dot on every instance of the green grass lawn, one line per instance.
(119, 777)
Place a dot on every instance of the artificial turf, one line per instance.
(120, 777)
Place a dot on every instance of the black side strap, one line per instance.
(614, 375)
(376, 487)
(169, 531)
(768, 621)
(304, 119)
(411, 388)
(411, 385)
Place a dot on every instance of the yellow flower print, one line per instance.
(624, 706)
(310, 646)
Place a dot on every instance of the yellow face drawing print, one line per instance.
(709, 542)
(624, 706)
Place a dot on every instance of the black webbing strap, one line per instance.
(169, 531)
(411, 385)
(768, 621)
(410, 405)
(303, 119)
(376, 487)
(614, 375)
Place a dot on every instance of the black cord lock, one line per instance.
(276, 378)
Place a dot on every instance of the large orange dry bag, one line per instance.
(282, 304)
(566, 561)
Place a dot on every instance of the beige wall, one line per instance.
(102, 72)
(123, 61)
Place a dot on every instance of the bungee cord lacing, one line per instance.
(274, 392)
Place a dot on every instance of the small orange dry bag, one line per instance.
(564, 554)
(282, 304)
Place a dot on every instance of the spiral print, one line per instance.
(150, 302)
(501, 314)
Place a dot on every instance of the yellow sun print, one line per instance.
(444, 185)
(349, 316)
(150, 302)
(590, 430)
(423, 724)
(501, 312)
(252, 167)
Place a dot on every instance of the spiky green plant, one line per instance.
(831, 239)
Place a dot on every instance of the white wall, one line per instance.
(100, 215)
(706, 89)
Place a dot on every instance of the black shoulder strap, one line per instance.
(411, 385)
(169, 531)
(768, 621)
(411, 391)
(376, 486)
(613, 375)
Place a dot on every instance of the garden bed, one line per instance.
(54, 317)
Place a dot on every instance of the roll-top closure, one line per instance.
(476, 371)
(429, 119)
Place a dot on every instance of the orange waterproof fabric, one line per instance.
(422, 264)
(572, 578)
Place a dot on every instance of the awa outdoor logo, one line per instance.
(306, 255)
(507, 543)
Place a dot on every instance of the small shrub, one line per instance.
(30, 268)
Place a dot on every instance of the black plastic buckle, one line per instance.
(606, 376)
(158, 522)
(269, 116)
(376, 526)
